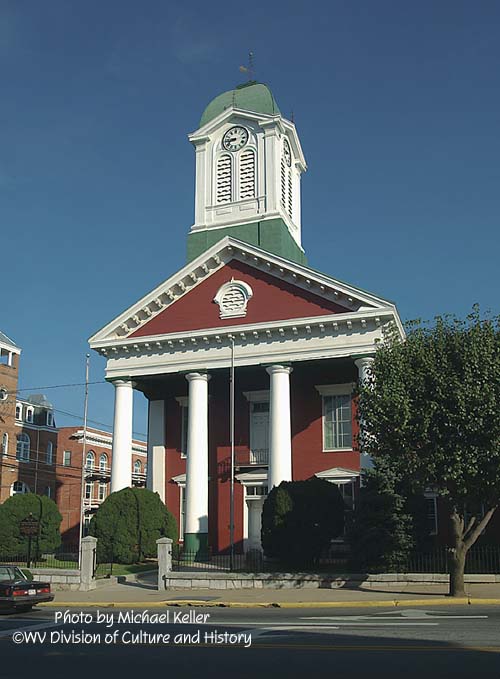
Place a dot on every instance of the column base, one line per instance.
(195, 547)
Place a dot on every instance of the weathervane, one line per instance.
(250, 68)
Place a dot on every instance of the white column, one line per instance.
(363, 365)
(280, 436)
(196, 527)
(155, 480)
(121, 464)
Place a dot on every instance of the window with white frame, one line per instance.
(67, 458)
(29, 414)
(184, 430)
(23, 447)
(19, 487)
(3, 394)
(337, 416)
(50, 419)
(90, 460)
(19, 411)
(48, 491)
(137, 467)
(88, 490)
(49, 455)
(102, 492)
(5, 444)
(103, 462)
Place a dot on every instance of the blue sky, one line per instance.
(397, 104)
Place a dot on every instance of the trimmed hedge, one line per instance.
(128, 523)
(300, 519)
(17, 508)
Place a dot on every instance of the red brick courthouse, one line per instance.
(299, 339)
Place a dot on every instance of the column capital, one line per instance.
(197, 376)
(274, 369)
(123, 382)
(364, 362)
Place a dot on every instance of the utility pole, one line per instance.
(231, 437)
(84, 451)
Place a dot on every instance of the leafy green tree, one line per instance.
(299, 520)
(128, 523)
(17, 508)
(431, 412)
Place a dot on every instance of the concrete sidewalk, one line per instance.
(140, 592)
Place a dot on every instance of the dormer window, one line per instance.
(50, 419)
(19, 411)
(29, 414)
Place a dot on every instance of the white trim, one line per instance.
(239, 311)
(180, 480)
(217, 256)
(258, 396)
(335, 389)
(338, 475)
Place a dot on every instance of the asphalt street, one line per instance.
(454, 641)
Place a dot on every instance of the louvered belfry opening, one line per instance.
(247, 174)
(286, 189)
(224, 179)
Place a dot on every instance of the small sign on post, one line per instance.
(29, 527)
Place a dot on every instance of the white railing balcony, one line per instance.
(255, 457)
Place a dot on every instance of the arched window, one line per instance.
(5, 444)
(29, 414)
(50, 453)
(103, 462)
(137, 467)
(247, 174)
(19, 487)
(89, 460)
(224, 179)
(19, 411)
(50, 419)
(23, 448)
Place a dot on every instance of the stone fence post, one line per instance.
(164, 560)
(87, 569)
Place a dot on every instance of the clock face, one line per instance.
(287, 152)
(235, 138)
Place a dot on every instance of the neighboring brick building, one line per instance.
(97, 474)
(28, 433)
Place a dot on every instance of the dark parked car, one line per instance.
(18, 593)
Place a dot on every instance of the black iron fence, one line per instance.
(185, 560)
(480, 560)
(65, 556)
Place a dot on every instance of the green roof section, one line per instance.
(251, 96)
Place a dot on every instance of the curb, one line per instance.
(269, 604)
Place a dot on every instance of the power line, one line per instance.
(56, 386)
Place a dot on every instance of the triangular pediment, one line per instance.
(281, 290)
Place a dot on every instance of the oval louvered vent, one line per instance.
(232, 298)
(224, 179)
(247, 175)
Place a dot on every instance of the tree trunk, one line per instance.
(457, 568)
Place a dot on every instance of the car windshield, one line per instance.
(11, 573)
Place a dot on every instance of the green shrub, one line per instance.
(128, 523)
(299, 521)
(381, 534)
(17, 508)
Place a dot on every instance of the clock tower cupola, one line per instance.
(248, 168)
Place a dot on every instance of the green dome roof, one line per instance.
(251, 96)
